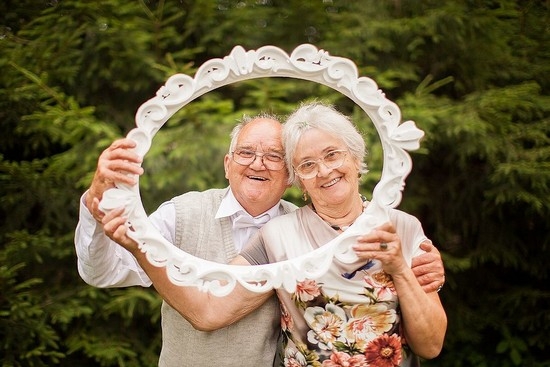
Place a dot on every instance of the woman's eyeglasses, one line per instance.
(332, 160)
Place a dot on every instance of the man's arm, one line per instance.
(203, 310)
(101, 262)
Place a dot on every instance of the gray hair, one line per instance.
(245, 120)
(326, 118)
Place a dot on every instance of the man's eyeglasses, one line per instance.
(332, 160)
(271, 161)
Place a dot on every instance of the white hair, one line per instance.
(245, 121)
(326, 118)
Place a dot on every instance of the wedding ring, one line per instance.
(383, 246)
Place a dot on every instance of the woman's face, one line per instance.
(330, 187)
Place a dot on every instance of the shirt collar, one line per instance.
(230, 207)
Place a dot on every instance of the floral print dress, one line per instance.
(350, 316)
(344, 333)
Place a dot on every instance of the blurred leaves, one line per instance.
(474, 75)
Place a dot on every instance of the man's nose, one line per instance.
(258, 162)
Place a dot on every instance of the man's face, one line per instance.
(256, 187)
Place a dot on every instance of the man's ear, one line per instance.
(226, 162)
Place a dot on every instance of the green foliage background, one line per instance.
(473, 74)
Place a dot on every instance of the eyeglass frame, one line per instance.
(261, 155)
(318, 161)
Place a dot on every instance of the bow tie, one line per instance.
(246, 221)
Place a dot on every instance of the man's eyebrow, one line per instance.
(247, 147)
(269, 149)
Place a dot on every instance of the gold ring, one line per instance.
(383, 246)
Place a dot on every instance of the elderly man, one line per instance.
(255, 169)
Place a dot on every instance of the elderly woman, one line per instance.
(374, 314)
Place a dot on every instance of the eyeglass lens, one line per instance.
(332, 160)
(272, 161)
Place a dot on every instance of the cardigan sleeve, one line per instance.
(254, 252)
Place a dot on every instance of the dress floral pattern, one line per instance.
(349, 316)
(343, 333)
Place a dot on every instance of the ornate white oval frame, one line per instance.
(306, 62)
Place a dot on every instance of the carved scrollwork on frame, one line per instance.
(306, 62)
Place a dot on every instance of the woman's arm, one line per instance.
(203, 310)
(424, 319)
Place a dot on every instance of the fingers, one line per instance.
(96, 212)
(112, 214)
(429, 270)
(431, 287)
(112, 220)
(384, 231)
(115, 227)
(124, 143)
(116, 164)
(431, 256)
(430, 283)
(379, 239)
(428, 264)
(427, 246)
(380, 246)
(383, 246)
(111, 173)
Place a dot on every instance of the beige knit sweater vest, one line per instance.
(251, 341)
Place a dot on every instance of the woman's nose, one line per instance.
(323, 169)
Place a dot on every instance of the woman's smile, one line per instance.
(331, 182)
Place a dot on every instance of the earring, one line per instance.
(304, 196)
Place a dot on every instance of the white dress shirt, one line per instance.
(244, 225)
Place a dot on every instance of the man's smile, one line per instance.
(258, 178)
